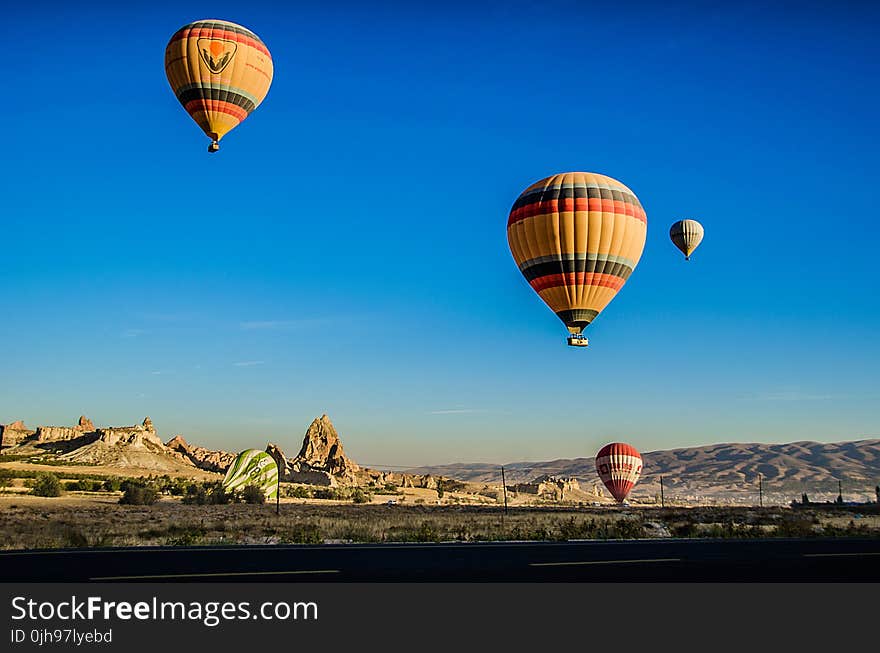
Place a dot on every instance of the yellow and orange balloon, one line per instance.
(576, 238)
(220, 72)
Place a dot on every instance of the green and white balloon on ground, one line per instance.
(253, 467)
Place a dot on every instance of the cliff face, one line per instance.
(140, 436)
(210, 461)
(12, 435)
(321, 459)
(321, 451)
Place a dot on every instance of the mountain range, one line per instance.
(729, 470)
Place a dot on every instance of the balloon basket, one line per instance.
(577, 341)
(213, 147)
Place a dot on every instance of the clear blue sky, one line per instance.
(346, 252)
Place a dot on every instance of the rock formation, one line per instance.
(547, 487)
(210, 461)
(59, 433)
(321, 460)
(283, 463)
(140, 435)
(322, 450)
(14, 434)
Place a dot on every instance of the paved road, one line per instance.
(669, 560)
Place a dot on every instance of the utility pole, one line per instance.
(839, 492)
(662, 505)
(278, 494)
(761, 490)
(504, 488)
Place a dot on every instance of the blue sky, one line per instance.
(345, 252)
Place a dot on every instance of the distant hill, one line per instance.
(728, 470)
(728, 473)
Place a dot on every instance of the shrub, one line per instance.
(195, 495)
(359, 496)
(112, 484)
(307, 533)
(299, 491)
(253, 494)
(84, 485)
(138, 495)
(219, 496)
(326, 493)
(6, 477)
(207, 494)
(47, 485)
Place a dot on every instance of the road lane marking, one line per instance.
(221, 573)
(838, 555)
(600, 562)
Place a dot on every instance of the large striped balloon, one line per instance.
(686, 235)
(253, 467)
(576, 238)
(619, 466)
(220, 72)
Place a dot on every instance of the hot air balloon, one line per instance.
(619, 466)
(253, 467)
(686, 235)
(220, 72)
(576, 238)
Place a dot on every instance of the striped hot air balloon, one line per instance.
(619, 466)
(576, 238)
(220, 72)
(253, 467)
(686, 235)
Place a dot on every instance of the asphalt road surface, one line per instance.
(666, 560)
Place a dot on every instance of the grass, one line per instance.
(169, 522)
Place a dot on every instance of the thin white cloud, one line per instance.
(133, 333)
(249, 363)
(156, 373)
(457, 411)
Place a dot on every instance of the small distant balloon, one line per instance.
(686, 235)
(220, 72)
(619, 465)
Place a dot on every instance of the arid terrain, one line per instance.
(29, 522)
(125, 486)
(719, 473)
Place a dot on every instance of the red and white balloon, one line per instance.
(619, 466)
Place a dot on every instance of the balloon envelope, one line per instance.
(576, 238)
(219, 71)
(253, 467)
(619, 466)
(686, 235)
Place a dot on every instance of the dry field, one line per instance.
(82, 519)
